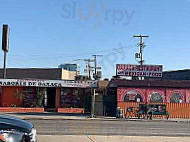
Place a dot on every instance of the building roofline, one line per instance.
(176, 70)
(149, 83)
(31, 68)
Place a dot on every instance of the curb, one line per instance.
(105, 119)
(98, 119)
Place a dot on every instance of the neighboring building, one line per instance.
(57, 93)
(121, 91)
(61, 91)
(70, 67)
(59, 85)
(68, 75)
(39, 73)
(177, 75)
(173, 75)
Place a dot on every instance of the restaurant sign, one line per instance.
(139, 70)
(44, 83)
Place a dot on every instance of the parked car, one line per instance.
(16, 130)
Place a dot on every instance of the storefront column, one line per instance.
(57, 99)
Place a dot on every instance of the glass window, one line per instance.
(71, 97)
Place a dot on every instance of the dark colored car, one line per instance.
(16, 130)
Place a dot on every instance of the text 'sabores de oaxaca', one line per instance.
(43, 83)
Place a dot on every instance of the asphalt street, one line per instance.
(110, 127)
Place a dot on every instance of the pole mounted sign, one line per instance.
(5, 38)
(139, 70)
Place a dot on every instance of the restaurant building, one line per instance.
(126, 93)
(48, 88)
(49, 94)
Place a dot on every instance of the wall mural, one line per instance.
(153, 95)
(156, 98)
(176, 98)
(133, 96)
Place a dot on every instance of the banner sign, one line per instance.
(138, 70)
(44, 83)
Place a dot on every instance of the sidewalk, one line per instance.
(61, 116)
(48, 115)
(74, 138)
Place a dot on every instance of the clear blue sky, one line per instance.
(45, 33)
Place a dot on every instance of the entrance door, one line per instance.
(110, 105)
(51, 94)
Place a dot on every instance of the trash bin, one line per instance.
(119, 112)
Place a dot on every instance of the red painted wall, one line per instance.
(145, 93)
(188, 96)
(9, 97)
(121, 92)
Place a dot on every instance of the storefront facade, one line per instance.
(49, 94)
(131, 93)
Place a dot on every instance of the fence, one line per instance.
(176, 110)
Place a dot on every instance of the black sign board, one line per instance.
(5, 38)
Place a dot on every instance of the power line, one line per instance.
(55, 57)
(66, 55)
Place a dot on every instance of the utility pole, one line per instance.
(96, 77)
(141, 45)
(4, 65)
(78, 66)
(5, 46)
(93, 103)
(95, 66)
(88, 67)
